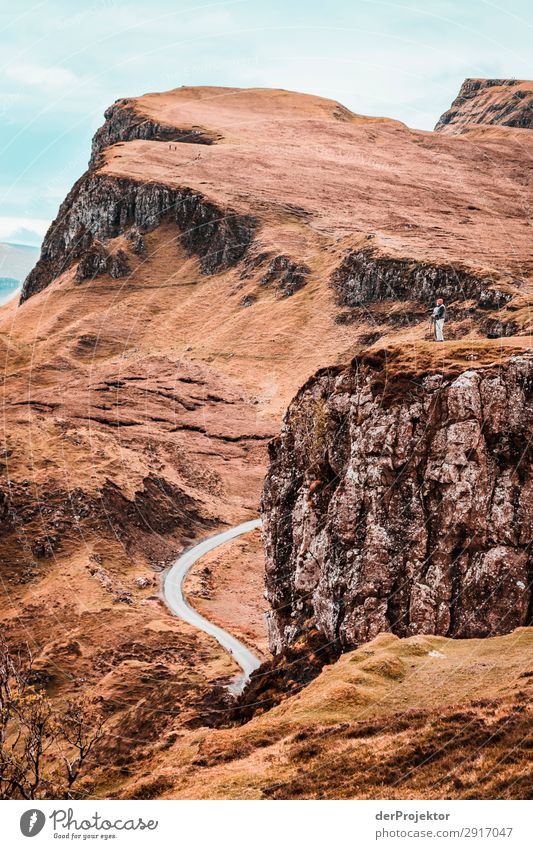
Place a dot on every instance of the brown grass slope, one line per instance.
(424, 717)
(136, 410)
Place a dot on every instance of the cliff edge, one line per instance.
(505, 103)
(398, 501)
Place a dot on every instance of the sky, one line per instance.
(62, 62)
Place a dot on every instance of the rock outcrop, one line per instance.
(124, 123)
(102, 207)
(287, 276)
(364, 276)
(508, 103)
(98, 260)
(401, 503)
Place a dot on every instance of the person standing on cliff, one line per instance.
(438, 317)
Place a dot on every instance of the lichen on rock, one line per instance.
(407, 512)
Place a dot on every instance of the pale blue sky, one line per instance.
(62, 62)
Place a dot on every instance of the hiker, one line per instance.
(438, 317)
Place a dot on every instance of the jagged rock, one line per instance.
(505, 102)
(493, 328)
(123, 596)
(405, 510)
(282, 272)
(218, 237)
(365, 276)
(44, 547)
(100, 207)
(92, 262)
(493, 299)
(252, 263)
(124, 123)
(118, 265)
(142, 582)
(138, 245)
(98, 260)
(286, 275)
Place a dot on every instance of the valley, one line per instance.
(232, 309)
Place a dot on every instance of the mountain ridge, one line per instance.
(185, 293)
(489, 102)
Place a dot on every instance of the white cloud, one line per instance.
(40, 76)
(23, 230)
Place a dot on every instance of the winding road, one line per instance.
(173, 593)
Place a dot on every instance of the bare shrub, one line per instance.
(43, 750)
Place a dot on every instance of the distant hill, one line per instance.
(8, 287)
(16, 261)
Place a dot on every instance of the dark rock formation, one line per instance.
(401, 503)
(118, 265)
(365, 276)
(286, 275)
(493, 299)
(494, 328)
(505, 102)
(124, 123)
(98, 260)
(93, 261)
(138, 245)
(103, 207)
(281, 272)
(253, 262)
(219, 237)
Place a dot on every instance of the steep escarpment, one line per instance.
(100, 207)
(124, 123)
(371, 181)
(507, 103)
(184, 294)
(364, 276)
(397, 502)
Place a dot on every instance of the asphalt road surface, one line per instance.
(173, 592)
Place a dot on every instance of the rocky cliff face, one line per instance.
(100, 207)
(147, 403)
(396, 503)
(363, 276)
(508, 103)
(124, 123)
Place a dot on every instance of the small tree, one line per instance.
(32, 733)
(79, 737)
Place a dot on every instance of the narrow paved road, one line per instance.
(173, 592)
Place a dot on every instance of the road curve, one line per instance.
(173, 593)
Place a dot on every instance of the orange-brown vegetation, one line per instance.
(136, 412)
